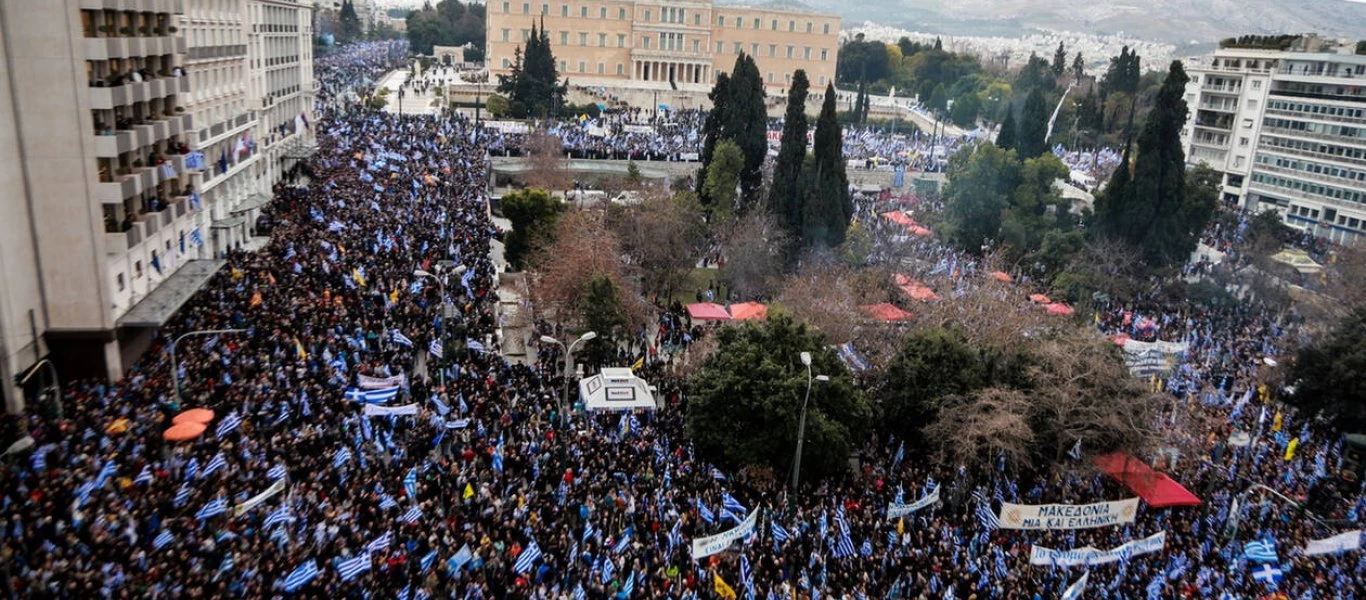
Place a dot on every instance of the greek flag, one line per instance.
(386, 502)
(780, 535)
(342, 457)
(412, 515)
(106, 472)
(216, 463)
(608, 569)
(588, 532)
(705, 513)
(625, 541)
(629, 586)
(192, 469)
(212, 509)
(434, 349)
(300, 577)
(196, 238)
(579, 594)
(527, 558)
(371, 396)
(717, 474)
(428, 560)
(1262, 551)
(844, 547)
(162, 540)
(397, 337)
(145, 477)
(229, 424)
(183, 495)
(281, 515)
(380, 543)
(731, 504)
(276, 472)
(349, 569)
(867, 548)
(498, 456)
(227, 564)
(474, 346)
(726, 514)
(410, 483)
(1074, 591)
(988, 519)
(441, 407)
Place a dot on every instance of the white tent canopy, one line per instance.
(615, 388)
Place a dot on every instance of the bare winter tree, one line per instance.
(663, 237)
(752, 247)
(826, 294)
(1110, 265)
(582, 250)
(548, 168)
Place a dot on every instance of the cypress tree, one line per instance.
(784, 196)
(1059, 60)
(712, 128)
(861, 101)
(1153, 209)
(827, 207)
(1033, 128)
(746, 123)
(1005, 140)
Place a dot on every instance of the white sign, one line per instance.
(507, 126)
(251, 503)
(374, 410)
(631, 128)
(1068, 516)
(712, 544)
(1088, 555)
(1342, 542)
(375, 383)
(900, 510)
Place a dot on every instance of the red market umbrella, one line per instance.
(747, 311)
(184, 431)
(1058, 308)
(194, 415)
(1001, 277)
(1040, 299)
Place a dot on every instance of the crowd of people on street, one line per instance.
(367, 443)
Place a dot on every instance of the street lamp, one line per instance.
(175, 375)
(801, 423)
(568, 364)
(441, 317)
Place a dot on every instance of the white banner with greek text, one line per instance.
(712, 544)
(1068, 516)
(251, 502)
(1088, 555)
(372, 410)
(895, 510)
(366, 382)
(1342, 542)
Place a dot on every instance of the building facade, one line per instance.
(1288, 131)
(670, 43)
(115, 114)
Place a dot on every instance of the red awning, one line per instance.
(899, 218)
(708, 311)
(1157, 489)
(915, 289)
(886, 312)
(747, 311)
(1001, 277)
(1058, 308)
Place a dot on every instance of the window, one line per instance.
(506, 9)
(739, 48)
(602, 68)
(720, 47)
(564, 10)
(583, 11)
(754, 49)
(1247, 122)
(756, 23)
(545, 9)
(773, 25)
(583, 38)
(826, 29)
(621, 70)
(1256, 84)
(602, 40)
(824, 54)
(119, 280)
(645, 42)
(769, 78)
(526, 35)
(1242, 142)
(791, 25)
(526, 8)
(697, 19)
(648, 14)
(806, 53)
(602, 13)
(564, 66)
(720, 20)
(506, 34)
(822, 80)
(789, 51)
(137, 270)
(808, 26)
(506, 63)
(621, 14)
(621, 40)
(564, 38)
(696, 46)
(582, 69)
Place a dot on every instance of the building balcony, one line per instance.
(1222, 89)
(114, 144)
(217, 52)
(685, 55)
(106, 98)
(105, 48)
(174, 7)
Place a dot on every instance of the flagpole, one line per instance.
(175, 375)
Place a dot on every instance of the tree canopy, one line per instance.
(533, 214)
(533, 86)
(827, 208)
(747, 399)
(785, 193)
(1327, 375)
(994, 198)
(449, 23)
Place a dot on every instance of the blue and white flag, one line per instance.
(412, 515)
(216, 463)
(279, 516)
(349, 569)
(629, 586)
(276, 472)
(498, 456)
(428, 560)
(342, 457)
(192, 468)
(163, 539)
(780, 535)
(145, 477)
(106, 471)
(527, 558)
(410, 483)
(1074, 591)
(386, 502)
(1268, 574)
(371, 396)
(300, 577)
(434, 349)
(624, 542)
(588, 531)
(397, 337)
(732, 504)
(182, 496)
(381, 543)
(441, 408)
(214, 508)
(229, 424)
(705, 513)
(474, 346)
(1262, 551)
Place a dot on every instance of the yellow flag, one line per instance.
(901, 527)
(469, 492)
(722, 589)
(303, 354)
(1276, 424)
(256, 299)
(1261, 393)
(1290, 450)
(355, 274)
(393, 296)
(640, 362)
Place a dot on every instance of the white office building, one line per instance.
(1287, 128)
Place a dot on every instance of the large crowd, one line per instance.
(464, 485)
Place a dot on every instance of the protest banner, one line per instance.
(712, 544)
(1039, 555)
(1068, 516)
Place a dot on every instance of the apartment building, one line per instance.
(116, 115)
(676, 43)
(1287, 128)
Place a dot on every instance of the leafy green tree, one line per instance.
(993, 99)
(747, 400)
(931, 365)
(746, 123)
(861, 59)
(785, 194)
(1059, 60)
(351, 29)
(1033, 128)
(1266, 232)
(1123, 74)
(980, 182)
(712, 131)
(939, 100)
(1036, 207)
(1078, 67)
(533, 214)
(1005, 140)
(1037, 73)
(828, 207)
(723, 176)
(1154, 209)
(533, 80)
(449, 23)
(1327, 375)
(964, 111)
(604, 313)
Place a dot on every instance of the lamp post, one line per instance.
(175, 370)
(440, 317)
(568, 364)
(56, 382)
(801, 424)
